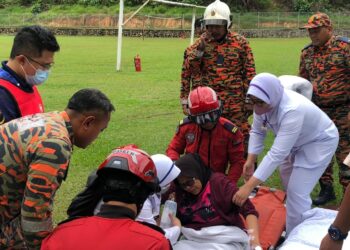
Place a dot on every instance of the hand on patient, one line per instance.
(241, 195)
(175, 221)
(243, 192)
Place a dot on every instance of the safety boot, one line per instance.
(326, 194)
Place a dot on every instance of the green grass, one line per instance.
(147, 102)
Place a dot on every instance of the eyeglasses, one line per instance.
(45, 66)
(254, 101)
(187, 184)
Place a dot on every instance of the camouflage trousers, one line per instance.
(339, 117)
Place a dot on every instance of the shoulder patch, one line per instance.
(307, 46)
(230, 127)
(343, 39)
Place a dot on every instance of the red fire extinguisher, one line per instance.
(137, 62)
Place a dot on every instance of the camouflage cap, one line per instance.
(318, 20)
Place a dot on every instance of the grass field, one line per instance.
(147, 102)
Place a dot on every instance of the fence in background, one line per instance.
(252, 20)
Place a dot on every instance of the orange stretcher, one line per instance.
(269, 202)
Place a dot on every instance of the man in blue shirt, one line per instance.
(31, 59)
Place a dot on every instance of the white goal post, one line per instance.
(121, 23)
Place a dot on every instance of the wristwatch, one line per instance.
(336, 234)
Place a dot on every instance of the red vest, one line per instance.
(28, 103)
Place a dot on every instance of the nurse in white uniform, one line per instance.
(167, 171)
(305, 141)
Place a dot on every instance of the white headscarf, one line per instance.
(267, 87)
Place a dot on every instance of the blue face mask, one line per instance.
(39, 77)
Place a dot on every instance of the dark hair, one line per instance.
(125, 187)
(32, 40)
(87, 100)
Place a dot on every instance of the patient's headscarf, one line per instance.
(191, 165)
(267, 87)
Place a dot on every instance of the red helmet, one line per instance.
(204, 105)
(132, 159)
(203, 100)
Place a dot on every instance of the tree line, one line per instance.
(236, 5)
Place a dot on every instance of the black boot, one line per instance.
(326, 195)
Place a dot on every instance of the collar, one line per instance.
(14, 78)
(327, 45)
(223, 40)
(68, 124)
(113, 211)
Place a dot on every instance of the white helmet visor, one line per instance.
(215, 22)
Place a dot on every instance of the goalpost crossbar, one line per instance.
(121, 23)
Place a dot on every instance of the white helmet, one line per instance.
(167, 171)
(217, 13)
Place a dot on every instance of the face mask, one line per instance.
(261, 110)
(39, 77)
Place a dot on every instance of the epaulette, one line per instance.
(185, 121)
(230, 127)
(343, 39)
(307, 46)
(182, 122)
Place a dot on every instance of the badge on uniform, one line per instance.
(220, 60)
(189, 138)
(264, 126)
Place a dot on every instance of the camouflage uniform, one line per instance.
(328, 69)
(34, 157)
(227, 67)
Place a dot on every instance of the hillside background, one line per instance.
(111, 6)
